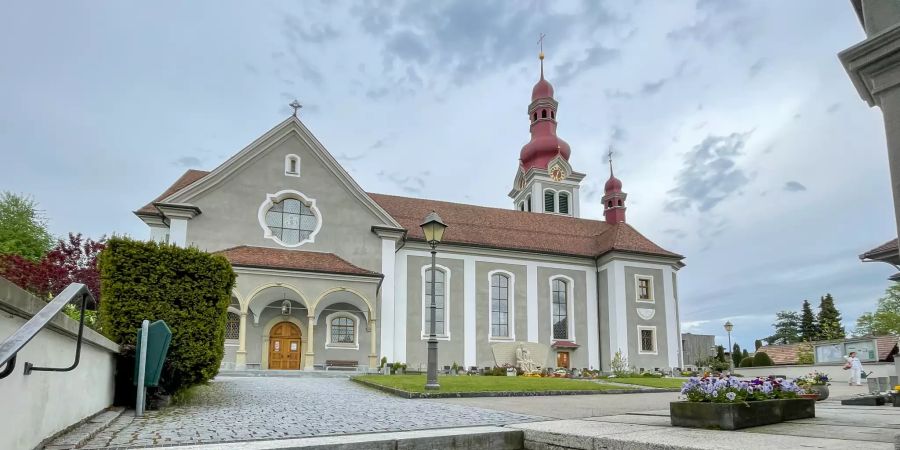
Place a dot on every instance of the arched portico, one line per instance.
(267, 329)
(345, 300)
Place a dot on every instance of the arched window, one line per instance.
(620, 202)
(552, 114)
(560, 309)
(549, 201)
(440, 302)
(535, 116)
(233, 326)
(522, 206)
(609, 204)
(499, 305)
(528, 203)
(543, 113)
(564, 203)
(343, 330)
(292, 165)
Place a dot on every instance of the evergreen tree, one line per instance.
(757, 344)
(745, 355)
(787, 328)
(720, 353)
(809, 329)
(736, 355)
(829, 320)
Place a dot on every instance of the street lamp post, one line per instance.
(433, 228)
(728, 327)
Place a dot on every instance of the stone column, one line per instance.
(373, 354)
(240, 359)
(874, 69)
(310, 343)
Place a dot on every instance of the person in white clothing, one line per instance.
(855, 367)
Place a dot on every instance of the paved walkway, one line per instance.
(243, 409)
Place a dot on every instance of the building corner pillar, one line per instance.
(373, 352)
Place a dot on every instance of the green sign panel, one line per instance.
(158, 340)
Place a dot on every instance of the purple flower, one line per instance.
(730, 396)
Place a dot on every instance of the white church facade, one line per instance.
(328, 272)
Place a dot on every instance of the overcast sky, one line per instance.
(740, 140)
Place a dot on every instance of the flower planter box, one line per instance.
(734, 416)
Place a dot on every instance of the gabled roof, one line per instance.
(276, 258)
(184, 181)
(497, 228)
(518, 230)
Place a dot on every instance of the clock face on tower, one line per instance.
(556, 173)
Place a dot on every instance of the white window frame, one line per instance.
(425, 312)
(511, 311)
(637, 288)
(287, 165)
(640, 346)
(528, 203)
(272, 199)
(568, 200)
(340, 345)
(570, 307)
(555, 201)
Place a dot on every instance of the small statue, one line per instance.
(524, 361)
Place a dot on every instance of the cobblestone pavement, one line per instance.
(240, 409)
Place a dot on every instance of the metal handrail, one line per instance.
(10, 347)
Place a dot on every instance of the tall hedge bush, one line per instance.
(187, 288)
(747, 362)
(761, 359)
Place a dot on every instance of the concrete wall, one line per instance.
(835, 372)
(42, 404)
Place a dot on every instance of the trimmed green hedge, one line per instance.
(761, 359)
(186, 287)
(747, 362)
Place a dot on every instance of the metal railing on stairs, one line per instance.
(10, 347)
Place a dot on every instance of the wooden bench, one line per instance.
(340, 364)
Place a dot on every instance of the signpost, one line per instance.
(152, 346)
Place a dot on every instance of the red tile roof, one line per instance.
(889, 247)
(186, 180)
(495, 227)
(276, 258)
(517, 230)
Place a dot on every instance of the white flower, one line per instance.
(730, 396)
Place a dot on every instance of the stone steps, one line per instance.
(473, 438)
(80, 434)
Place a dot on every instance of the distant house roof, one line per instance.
(276, 258)
(495, 227)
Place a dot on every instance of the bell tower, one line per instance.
(545, 181)
(613, 197)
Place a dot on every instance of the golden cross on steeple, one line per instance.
(541, 54)
(610, 155)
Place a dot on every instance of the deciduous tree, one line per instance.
(71, 261)
(23, 227)
(787, 329)
(885, 319)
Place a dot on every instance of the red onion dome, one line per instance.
(613, 184)
(542, 89)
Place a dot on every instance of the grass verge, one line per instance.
(465, 384)
(663, 383)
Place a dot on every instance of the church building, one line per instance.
(328, 272)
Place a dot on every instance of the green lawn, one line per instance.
(416, 383)
(650, 382)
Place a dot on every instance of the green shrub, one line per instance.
(187, 288)
(652, 375)
(761, 359)
(747, 362)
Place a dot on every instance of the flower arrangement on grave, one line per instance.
(733, 390)
(813, 379)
